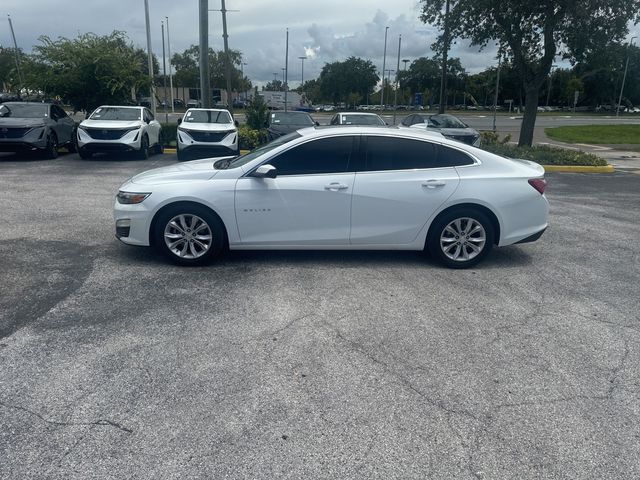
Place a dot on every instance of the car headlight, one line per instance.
(129, 198)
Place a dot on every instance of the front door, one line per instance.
(308, 203)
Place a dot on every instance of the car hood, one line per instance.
(282, 129)
(194, 170)
(109, 124)
(21, 122)
(208, 127)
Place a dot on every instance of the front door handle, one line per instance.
(335, 186)
(434, 183)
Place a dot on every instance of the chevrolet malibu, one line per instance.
(338, 188)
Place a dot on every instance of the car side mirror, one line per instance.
(265, 171)
(179, 121)
(317, 124)
(236, 123)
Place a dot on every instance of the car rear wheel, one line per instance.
(51, 150)
(189, 235)
(461, 238)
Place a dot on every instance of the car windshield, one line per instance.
(24, 110)
(247, 157)
(291, 119)
(362, 120)
(116, 113)
(445, 121)
(207, 116)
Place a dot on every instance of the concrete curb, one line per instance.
(579, 169)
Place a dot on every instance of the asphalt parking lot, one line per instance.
(115, 364)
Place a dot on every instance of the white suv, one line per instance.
(119, 129)
(204, 132)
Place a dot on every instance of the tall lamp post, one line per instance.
(395, 97)
(384, 65)
(303, 58)
(173, 109)
(624, 77)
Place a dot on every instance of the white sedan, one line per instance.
(338, 188)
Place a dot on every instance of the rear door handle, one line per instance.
(336, 186)
(434, 183)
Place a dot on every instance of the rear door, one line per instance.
(401, 185)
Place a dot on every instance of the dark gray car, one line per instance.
(35, 127)
(281, 123)
(448, 125)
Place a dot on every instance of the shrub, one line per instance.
(168, 134)
(257, 113)
(546, 155)
(491, 138)
(251, 138)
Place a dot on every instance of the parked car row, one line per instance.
(40, 127)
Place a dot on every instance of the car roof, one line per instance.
(208, 110)
(294, 112)
(121, 106)
(328, 130)
(358, 113)
(27, 103)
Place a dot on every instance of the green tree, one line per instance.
(187, 69)
(88, 71)
(532, 34)
(257, 112)
(274, 86)
(8, 73)
(354, 75)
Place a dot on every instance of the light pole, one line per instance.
(495, 99)
(384, 65)
(624, 77)
(152, 90)
(205, 91)
(164, 77)
(303, 58)
(242, 64)
(286, 71)
(395, 97)
(550, 77)
(173, 110)
(15, 46)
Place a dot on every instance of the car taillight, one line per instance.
(539, 184)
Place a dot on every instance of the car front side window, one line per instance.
(325, 155)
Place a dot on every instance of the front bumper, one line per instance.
(21, 146)
(132, 223)
(228, 145)
(127, 143)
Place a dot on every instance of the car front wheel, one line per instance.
(51, 150)
(461, 238)
(143, 153)
(189, 235)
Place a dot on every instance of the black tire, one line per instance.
(51, 151)
(143, 153)
(72, 147)
(84, 155)
(158, 149)
(182, 156)
(451, 243)
(187, 246)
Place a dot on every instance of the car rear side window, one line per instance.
(326, 155)
(450, 157)
(391, 153)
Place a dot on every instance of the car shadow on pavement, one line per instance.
(506, 257)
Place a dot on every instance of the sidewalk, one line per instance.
(614, 154)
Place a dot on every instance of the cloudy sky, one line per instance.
(323, 30)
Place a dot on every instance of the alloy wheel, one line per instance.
(463, 239)
(188, 236)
